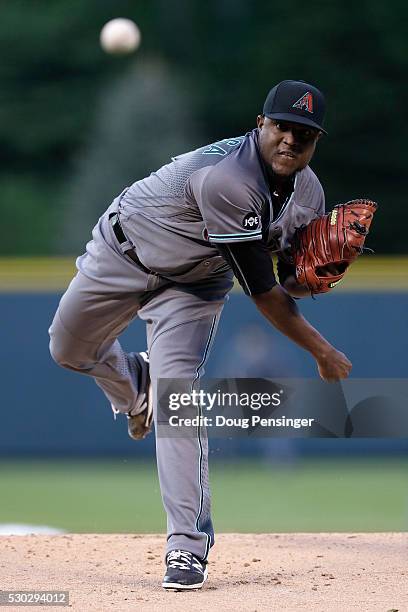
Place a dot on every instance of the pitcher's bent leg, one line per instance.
(84, 339)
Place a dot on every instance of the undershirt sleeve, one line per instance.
(285, 270)
(252, 265)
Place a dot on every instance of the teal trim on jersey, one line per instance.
(232, 238)
(215, 150)
(208, 345)
(233, 142)
(251, 233)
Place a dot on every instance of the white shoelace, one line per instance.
(180, 559)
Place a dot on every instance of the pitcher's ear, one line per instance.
(260, 120)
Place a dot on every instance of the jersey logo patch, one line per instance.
(250, 221)
(305, 102)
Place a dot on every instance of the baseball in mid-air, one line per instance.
(120, 36)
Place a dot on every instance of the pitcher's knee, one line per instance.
(58, 354)
(67, 351)
(62, 354)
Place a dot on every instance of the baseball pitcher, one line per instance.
(166, 250)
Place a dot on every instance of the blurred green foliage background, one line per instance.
(77, 125)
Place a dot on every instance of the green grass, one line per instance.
(118, 496)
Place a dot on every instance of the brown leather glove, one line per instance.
(323, 250)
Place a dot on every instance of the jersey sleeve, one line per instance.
(252, 265)
(310, 194)
(321, 206)
(230, 206)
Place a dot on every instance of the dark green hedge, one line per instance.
(202, 73)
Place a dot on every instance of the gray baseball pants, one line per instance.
(108, 291)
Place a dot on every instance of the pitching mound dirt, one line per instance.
(247, 572)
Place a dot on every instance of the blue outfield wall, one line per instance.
(48, 410)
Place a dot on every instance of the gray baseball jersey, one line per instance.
(216, 194)
(176, 219)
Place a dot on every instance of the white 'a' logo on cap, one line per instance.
(305, 102)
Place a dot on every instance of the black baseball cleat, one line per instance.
(184, 571)
(139, 425)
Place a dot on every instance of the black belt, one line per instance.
(121, 238)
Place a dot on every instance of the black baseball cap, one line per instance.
(298, 102)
